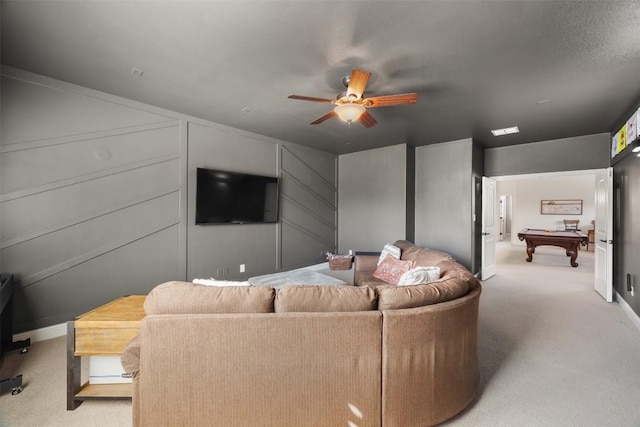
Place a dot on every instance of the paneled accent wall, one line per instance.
(97, 199)
(218, 250)
(90, 198)
(308, 206)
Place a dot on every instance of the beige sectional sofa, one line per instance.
(366, 355)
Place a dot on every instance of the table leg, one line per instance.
(530, 251)
(573, 253)
(74, 374)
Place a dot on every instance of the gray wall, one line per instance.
(97, 197)
(372, 206)
(444, 198)
(410, 198)
(627, 229)
(577, 153)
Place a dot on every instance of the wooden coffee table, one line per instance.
(104, 331)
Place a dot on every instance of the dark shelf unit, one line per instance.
(13, 384)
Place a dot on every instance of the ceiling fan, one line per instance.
(350, 106)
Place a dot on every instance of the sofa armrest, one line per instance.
(364, 266)
(130, 357)
(430, 361)
(366, 263)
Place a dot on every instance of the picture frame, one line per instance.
(561, 207)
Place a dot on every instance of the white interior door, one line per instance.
(603, 235)
(489, 228)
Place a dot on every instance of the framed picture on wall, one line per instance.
(561, 207)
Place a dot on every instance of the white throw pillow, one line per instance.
(214, 282)
(389, 249)
(419, 275)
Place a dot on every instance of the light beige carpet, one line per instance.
(552, 353)
(43, 401)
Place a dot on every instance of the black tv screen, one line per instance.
(224, 197)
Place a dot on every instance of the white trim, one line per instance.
(43, 334)
(628, 310)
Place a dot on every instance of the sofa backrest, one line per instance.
(421, 256)
(433, 258)
(454, 285)
(188, 298)
(325, 299)
(279, 369)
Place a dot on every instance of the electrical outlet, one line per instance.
(242, 268)
(350, 251)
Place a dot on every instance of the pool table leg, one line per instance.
(530, 252)
(573, 253)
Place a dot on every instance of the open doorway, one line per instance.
(505, 212)
(519, 204)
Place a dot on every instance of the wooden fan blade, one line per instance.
(323, 118)
(357, 82)
(367, 120)
(311, 98)
(390, 100)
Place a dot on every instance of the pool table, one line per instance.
(569, 240)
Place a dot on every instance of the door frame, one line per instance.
(489, 227)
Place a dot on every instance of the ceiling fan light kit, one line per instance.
(349, 112)
(351, 107)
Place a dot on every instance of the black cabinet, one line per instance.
(6, 333)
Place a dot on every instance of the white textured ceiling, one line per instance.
(476, 65)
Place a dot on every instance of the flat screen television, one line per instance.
(224, 197)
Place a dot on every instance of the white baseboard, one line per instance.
(627, 309)
(42, 334)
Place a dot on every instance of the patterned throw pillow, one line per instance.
(391, 269)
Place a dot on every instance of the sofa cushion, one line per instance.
(190, 298)
(391, 269)
(325, 299)
(445, 289)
